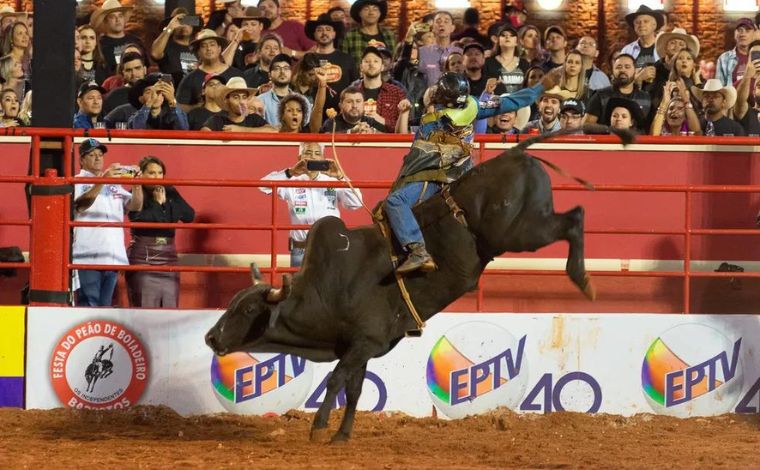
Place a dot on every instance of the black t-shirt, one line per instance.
(598, 102)
(342, 127)
(218, 121)
(341, 72)
(178, 60)
(113, 48)
(371, 93)
(722, 127)
(512, 81)
(751, 122)
(239, 59)
(197, 117)
(115, 98)
(189, 90)
(645, 57)
(550, 65)
(255, 77)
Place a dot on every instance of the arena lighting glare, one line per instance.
(453, 4)
(549, 4)
(634, 5)
(740, 5)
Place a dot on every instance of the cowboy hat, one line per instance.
(136, 91)
(522, 116)
(617, 102)
(692, 43)
(323, 20)
(557, 92)
(359, 4)
(7, 10)
(253, 13)
(233, 84)
(109, 6)
(714, 85)
(207, 34)
(658, 16)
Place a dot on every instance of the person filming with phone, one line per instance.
(307, 205)
(153, 97)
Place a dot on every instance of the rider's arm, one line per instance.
(513, 102)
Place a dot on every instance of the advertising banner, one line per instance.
(464, 364)
(12, 356)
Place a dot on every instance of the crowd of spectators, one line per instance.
(249, 69)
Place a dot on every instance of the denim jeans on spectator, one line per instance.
(96, 288)
(398, 208)
(296, 257)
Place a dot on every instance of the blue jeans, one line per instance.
(296, 257)
(398, 208)
(96, 288)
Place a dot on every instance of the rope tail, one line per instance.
(340, 169)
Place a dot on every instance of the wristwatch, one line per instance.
(168, 30)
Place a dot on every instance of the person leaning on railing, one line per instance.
(676, 115)
(155, 246)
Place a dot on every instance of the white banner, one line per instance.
(680, 365)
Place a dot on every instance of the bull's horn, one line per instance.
(278, 295)
(286, 282)
(255, 274)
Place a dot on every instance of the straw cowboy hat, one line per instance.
(557, 92)
(522, 117)
(7, 10)
(233, 84)
(253, 13)
(109, 6)
(728, 92)
(692, 43)
(208, 34)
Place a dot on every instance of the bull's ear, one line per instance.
(255, 274)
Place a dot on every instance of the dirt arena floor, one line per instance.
(156, 437)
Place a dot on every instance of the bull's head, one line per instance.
(247, 316)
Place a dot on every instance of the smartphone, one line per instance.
(318, 165)
(191, 20)
(754, 55)
(423, 27)
(128, 171)
(167, 77)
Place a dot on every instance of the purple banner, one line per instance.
(12, 392)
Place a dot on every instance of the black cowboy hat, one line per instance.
(658, 15)
(617, 102)
(136, 90)
(359, 4)
(323, 20)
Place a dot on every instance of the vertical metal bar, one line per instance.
(273, 259)
(687, 254)
(68, 144)
(36, 155)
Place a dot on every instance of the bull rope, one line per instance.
(340, 168)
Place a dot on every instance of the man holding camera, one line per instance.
(307, 205)
(153, 97)
(100, 203)
(171, 49)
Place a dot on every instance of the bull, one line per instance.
(344, 304)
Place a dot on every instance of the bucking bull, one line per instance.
(345, 303)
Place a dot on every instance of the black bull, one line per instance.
(345, 304)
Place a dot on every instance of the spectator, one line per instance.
(747, 115)
(351, 119)
(645, 22)
(280, 75)
(675, 115)
(622, 113)
(555, 41)
(292, 114)
(533, 76)
(10, 107)
(430, 56)
(470, 21)
(453, 60)
(112, 19)
(25, 113)
(198, 116)
(12, 74)
(474, 61)
(269, 47)
(717, 101)
(156, 105)
(17, 43)
(307, 205)
(380, 99)
(251, 25)
(8, 16)
(100, 245)
(155, 246)
(232, 9)
(340, 67)
(171, 49)
(407, 72)
(132, 68)
(117, 80)
(571, 114)
(548, 109)
(530, 45)
(516, 14)
(235, 116)
(368, 14)
(90, 101)
(509, 123)
(667, 46)
(684, 69)
(208, 48)
(731, 64)
(623, 76)
(294, 41)
(505, 62)
(94, 67)
(338, 15)
(304, 79)
(595, 78)
(573, 76)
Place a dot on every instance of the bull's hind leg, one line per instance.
(353, 391)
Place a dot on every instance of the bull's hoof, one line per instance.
(340, 438)
(321, 435)
(588, 289)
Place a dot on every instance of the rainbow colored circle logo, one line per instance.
(692, 370)
(475, 367)
(260, 383)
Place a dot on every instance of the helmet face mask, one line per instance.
(451, 91)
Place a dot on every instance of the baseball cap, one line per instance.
(476, 45)
(89, 145)
(745, 23)
(213, 76)
(89, 86)
(378, 51)
(573, 105)
(282, 58)
(554, 29)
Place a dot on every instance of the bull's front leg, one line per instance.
(353, 391)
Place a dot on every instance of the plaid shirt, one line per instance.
(387, 104)
(355, 41)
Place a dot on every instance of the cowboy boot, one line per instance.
(418, 258)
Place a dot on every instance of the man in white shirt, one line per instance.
(100, 203)
(307, 205)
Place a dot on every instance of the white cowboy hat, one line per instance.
(109, 6)
(522, 117)
(713, 84)
(692, 42)
(7, 10)
(233, 84)
(557, 92)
